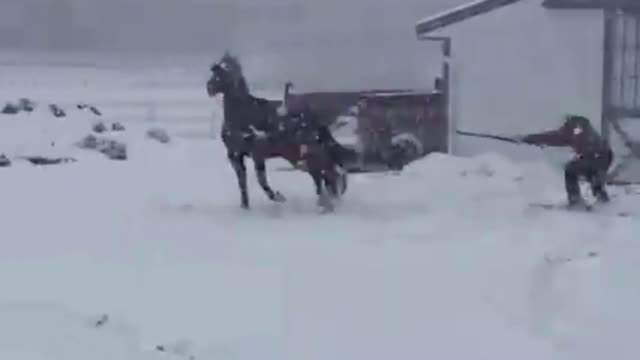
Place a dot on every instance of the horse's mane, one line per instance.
(235, 69)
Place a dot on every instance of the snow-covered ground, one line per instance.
(444, 261)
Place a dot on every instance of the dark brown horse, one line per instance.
(253, 127)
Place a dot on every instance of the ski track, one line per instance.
(443, 261)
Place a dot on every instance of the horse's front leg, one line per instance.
(237, 162)
(261, 172)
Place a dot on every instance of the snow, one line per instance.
(345, 131)
(443, 261)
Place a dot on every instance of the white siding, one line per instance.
(519, 68)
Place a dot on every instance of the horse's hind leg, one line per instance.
(330, 182)
(317, 182)
(237, 161)
(261, 173)
(324, 200)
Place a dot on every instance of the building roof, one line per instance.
(591, 4)
(458, 14)
(479, 7)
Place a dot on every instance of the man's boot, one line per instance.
(598, 190)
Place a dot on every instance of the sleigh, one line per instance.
(381, 129)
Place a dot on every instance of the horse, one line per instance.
(254, 127)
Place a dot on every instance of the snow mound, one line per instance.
(41, 133)
(440, 183)
(80, 133)
(444, 166)
(460, 184)
(51, 332)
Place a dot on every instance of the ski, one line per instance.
(560, 206)
(560, 260)
(586, 208)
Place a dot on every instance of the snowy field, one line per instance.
(444, 261)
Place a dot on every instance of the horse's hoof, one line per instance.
(278, 197)
(325, 204)
(245, 206)
(325, 209)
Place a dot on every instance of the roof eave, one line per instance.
(458, 14)
(591, 4)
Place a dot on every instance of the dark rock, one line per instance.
(159, 135)
(57, 111)
(99, 127)
(27, 104)
(115, 150)
(95, 110)
(89, 142)
(10, 109)
(102, 321)
(92, 108)
(4, 161)
(112, 149)
(176, 352)
(41, 160)
(117, 127)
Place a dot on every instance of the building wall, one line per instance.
(518, 69)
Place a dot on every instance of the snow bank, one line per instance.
(444, 166)
(486, 165)
(462, 182)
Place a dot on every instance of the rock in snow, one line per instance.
(159, 134)
(112, 149)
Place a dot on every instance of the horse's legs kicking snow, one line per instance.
(237, 162)
(261, 173)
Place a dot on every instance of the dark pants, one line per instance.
(592, 167)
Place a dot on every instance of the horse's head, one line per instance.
(220, 81)
(226, 77)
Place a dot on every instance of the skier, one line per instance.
(592, 159)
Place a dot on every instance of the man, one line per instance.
(592, 160)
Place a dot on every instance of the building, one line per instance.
(517, 66)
